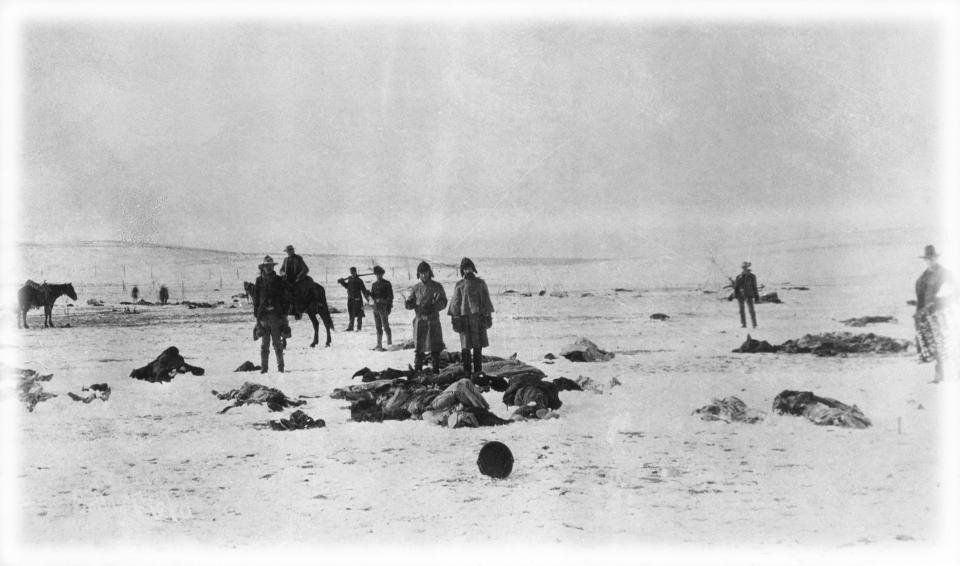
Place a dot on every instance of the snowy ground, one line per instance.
(157, 466)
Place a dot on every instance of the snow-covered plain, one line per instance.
(157, 466)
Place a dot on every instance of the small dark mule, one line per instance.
(33, 296)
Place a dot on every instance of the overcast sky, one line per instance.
(554, 139)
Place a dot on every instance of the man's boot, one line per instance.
(478, 361)
(379, 347)
(280, 361)
(418, 362)
(359, 324)
(435, 357)
(264, 362)
(350, 326)
(465, 361)
(389, 339)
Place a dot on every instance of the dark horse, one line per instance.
(33, 296)
(311, 300)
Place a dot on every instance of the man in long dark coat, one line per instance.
(427, 298)
(746, 291)
(294, 271)
(471, 314)
(271, 311)
(356, 293)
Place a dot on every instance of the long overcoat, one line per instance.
(471, 305)
(427, 300)
(745, 287)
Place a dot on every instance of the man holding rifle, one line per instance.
(382, 292)
(356, 293)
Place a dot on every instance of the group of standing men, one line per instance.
(470, 309)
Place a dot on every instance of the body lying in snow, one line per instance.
(729, 409)
(533, 397)
(165, 367)
(256, 394)
(96, 391)
(459, 404)
(30, 388)
(819, 410)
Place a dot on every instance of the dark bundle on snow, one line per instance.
(30, 389)
(729, 410)
(659, 316)
(584, 350)
(828, 344)
(751, 346)
(255, 394)
(96, 391)
(298, 420)
(819, 410)
(366, 374)
(165, 367)
(770, 298)
(865, 320)
(247, 366)
(834, 343)
(566, 384)
(533, 397)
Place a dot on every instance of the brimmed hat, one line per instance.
(353, 270)
(930, 252)
(465, 263)
(288, 248)
(378, 269)
(267, 261)
(746, 265)
(495, 460)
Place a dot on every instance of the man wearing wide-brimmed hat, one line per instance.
(934, 316)
(746, 291)
(270, 308)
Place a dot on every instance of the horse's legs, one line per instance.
(23, 314)
(47, 318)
(316, 327)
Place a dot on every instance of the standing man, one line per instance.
(427, 298)
(745, 290)
(382, 293)
(932, 319)
(472, 315)
(271, 313)
(356, 293)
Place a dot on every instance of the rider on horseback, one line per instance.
(294, 270)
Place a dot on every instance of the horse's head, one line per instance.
(70, 292)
